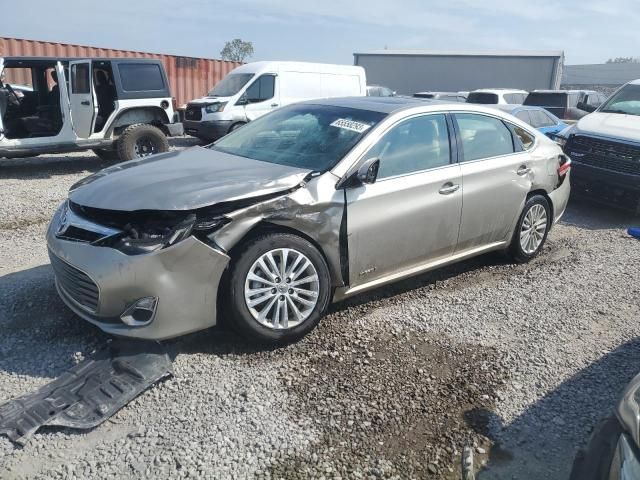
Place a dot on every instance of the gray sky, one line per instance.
(589, 31)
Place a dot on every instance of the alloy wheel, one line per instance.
(282, 288)
(534, 227)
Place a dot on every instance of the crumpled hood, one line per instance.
(194, 178)
(616, 125)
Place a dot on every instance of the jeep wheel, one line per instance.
(106, 155)
(141, 140)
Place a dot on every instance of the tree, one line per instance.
(237, 50)
(624, 60)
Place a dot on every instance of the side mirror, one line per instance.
(368, 171)
(586, 107)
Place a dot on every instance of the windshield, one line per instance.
(230, 85)
(626, 101)
(483, 98)
(540, 99)
(303, 136)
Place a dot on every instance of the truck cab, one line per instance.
(121, 108)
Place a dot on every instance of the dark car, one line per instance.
(564, 103)
(379, 91)
(444, 96)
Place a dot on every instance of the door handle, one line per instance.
(86, 102)
(274, 104)
(448, 188)
(523, 170)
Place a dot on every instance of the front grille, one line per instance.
(606, 154)
(76, 284)
(76, 234)
(193, 112)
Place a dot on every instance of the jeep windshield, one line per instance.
(316, 137)
(626, 101)
(230, 85)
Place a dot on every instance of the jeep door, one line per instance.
(83, 105)
(411, 214)
(2, 109)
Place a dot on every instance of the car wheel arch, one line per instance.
(148, 114)
(544, 194)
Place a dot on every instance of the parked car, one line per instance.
(120, 107)
(497, 96)
(254, 89)
(444, 96)
(605, 149)
(310, 204)
(537, 117)
(564, 104)
(613, 449)
(379, 91)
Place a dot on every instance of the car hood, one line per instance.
(623, 127)
(209, 100)
(194, 178)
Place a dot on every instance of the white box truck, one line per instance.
(254, 89)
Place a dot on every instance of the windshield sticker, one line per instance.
(351, 125)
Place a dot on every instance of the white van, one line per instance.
(254, 89)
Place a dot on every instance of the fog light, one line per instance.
(141, 313)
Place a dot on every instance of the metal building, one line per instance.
(410, 71)
(612, 74)
(189, 77)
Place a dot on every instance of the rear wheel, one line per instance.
(141, 140)
(236, 126)
(279, 288)
(532, 229)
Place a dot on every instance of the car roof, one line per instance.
(501, 90)
(389, 105)
(563, 91)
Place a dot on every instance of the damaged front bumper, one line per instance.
(159, 295)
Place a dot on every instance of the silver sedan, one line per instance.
(309, 204)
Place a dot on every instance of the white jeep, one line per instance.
(121, 108)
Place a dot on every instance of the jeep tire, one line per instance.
(141, 140)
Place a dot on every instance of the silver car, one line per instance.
(308, 205)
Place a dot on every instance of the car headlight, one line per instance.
(628, 410)
(215, 107)
(155, 234)
(562, 136)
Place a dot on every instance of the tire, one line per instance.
(148, 139)
(235, 126)
(107, 155)
(594, 461)
(536, 204)
(281, 298)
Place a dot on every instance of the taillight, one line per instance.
(564, 166)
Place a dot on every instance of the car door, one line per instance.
(5, 106)
(495, 179)
(411, 214)
(260, 96)
(83, 105)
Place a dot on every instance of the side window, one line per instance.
(140, 77)
(262, 89)
(542, 119)
(414, 145)
(594, 99)
(80, 79)
(524, 116)
(574, 98)
(483, 136)
(525, 138)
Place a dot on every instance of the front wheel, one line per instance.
(532, 229)
(279, 288)
(141, 140)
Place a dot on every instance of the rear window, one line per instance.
(483, 98)
(138, 77)
(540, 99)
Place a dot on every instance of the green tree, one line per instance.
(624, 60)
(237, 50)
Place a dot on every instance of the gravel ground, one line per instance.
(517, 361)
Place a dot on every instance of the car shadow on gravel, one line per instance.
(542, 442)
(583, 213)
